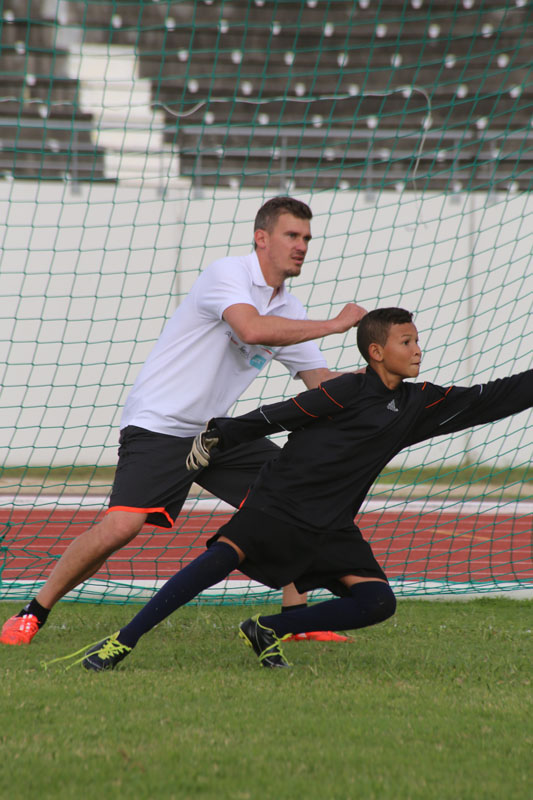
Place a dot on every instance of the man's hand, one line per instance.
(350, 317)
(200, 453)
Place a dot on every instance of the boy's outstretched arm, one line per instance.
(458, 408)
(288, 415)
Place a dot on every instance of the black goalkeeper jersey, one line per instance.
(346, 431)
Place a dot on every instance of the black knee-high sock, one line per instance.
(369, 602)
(209, 568)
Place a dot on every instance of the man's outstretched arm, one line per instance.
(255, 328)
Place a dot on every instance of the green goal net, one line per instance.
(137, 141)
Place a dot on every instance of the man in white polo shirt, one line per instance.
(237, 317)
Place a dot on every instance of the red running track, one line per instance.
(431, 545)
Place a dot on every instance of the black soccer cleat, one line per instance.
(265, 643)
(106, 654)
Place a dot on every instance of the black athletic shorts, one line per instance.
(151, 476)
(278, 553)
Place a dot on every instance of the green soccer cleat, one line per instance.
(106, 654)
(264, 642)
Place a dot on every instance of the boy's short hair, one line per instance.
(375, 327)
(268, 214)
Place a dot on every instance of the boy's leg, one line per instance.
(370, 601)
(229, 477)
(209, 568)
(292, 600)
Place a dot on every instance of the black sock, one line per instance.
(284, 609)
(369, 602)
(35, 608)
(209, 568)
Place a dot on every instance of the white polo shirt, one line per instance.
(199, 367)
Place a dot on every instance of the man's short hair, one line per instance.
(269, 213)
(375, 327)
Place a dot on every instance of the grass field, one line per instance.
(434, 703)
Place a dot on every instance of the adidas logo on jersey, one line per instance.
(392, 406)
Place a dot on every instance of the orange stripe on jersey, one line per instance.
(440, 399)
(315, 416)
(133, 510)
(243, 501)
(424, 385)
(330, 397)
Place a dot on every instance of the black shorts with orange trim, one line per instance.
(278, 552)
(151, 476)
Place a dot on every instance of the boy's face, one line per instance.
(401, 354)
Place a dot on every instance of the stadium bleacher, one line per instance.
(366, 120)
(293, 90)
(43, 132)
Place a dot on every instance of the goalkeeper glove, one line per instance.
(200, 453)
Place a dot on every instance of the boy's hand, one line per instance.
(200, 453)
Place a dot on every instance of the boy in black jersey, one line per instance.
(297, 522)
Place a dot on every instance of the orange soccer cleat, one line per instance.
(19, 630)
(320, 636)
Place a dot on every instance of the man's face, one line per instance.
(282, 250)
(401, 352)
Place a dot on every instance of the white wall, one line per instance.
(89, 274)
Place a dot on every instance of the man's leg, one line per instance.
(83, 557)
(150, 475)
(86, 554)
